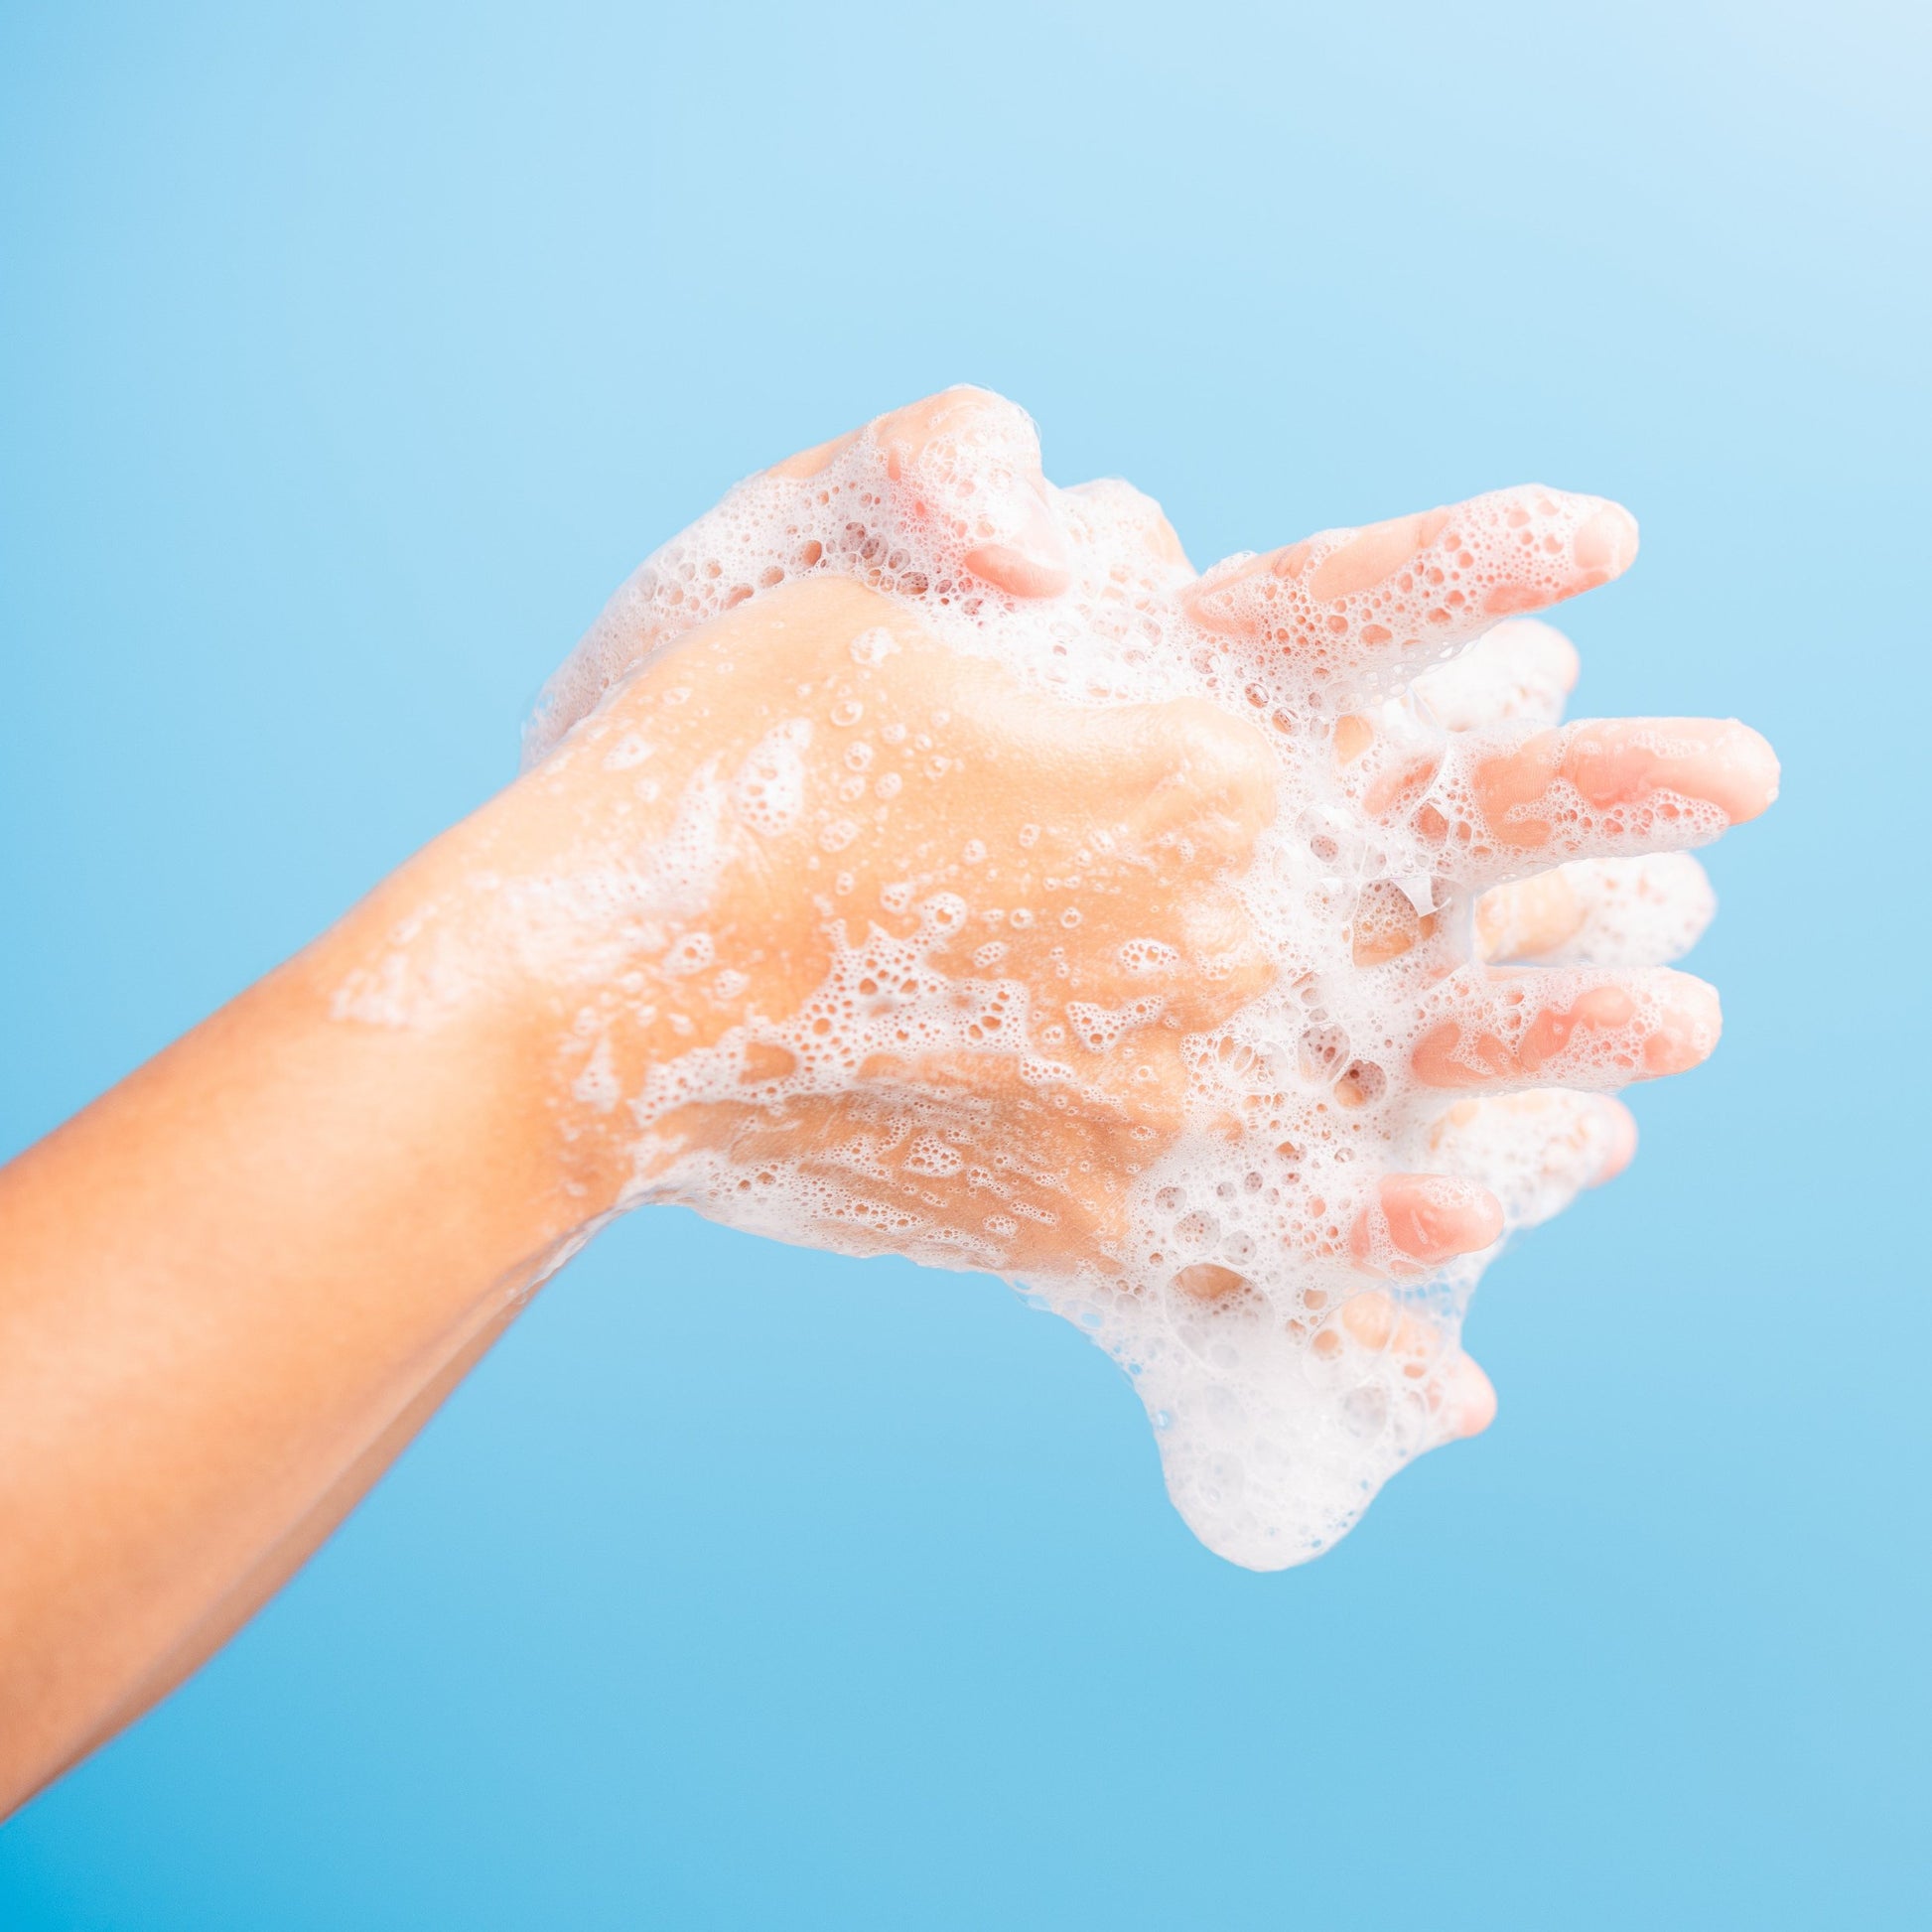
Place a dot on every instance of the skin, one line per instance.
(237, 1284)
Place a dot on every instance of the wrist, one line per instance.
(442, 976)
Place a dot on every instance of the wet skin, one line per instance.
(235, 1287)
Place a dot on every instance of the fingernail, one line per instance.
(1035, 563)
(1431, 1217)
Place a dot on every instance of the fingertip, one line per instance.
(1165, 540)
(1433, 1218)
(1136, 511)
(1614, 762)
(1469, 1399)
(1036, 562)
(961, 416)
(1605, 546)
(1746, 769)
(1620, 1126)
(1566, 664)
(1484, 1222)
(1687, 1030)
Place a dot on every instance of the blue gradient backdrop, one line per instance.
(349, 358)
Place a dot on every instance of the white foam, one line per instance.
(1221, 1291)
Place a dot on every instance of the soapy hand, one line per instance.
(917, 857)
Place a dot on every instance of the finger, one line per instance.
(1641, 912)
(1565, 1028)
(955, 478)
(1586, 790)
(1559, 786)
(1365, 607)
(1417, 1222)
(1458, 1393)
(1112, 516)
(1468, 1401)
(1519, 672)
(1536, 1152)
(970, 460)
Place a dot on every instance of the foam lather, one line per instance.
(1381, 667)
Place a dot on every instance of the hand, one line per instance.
(913, 857)
(938, 864)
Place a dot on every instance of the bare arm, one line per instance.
(733, 943)
(233, 1289)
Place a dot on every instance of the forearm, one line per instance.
(231, 1289)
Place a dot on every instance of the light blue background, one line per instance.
(349, 358)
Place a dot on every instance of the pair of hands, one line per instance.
(876, 887)
(914, 856)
